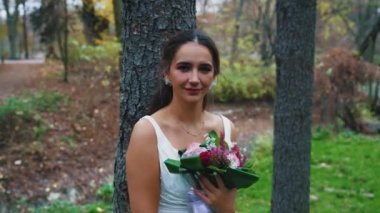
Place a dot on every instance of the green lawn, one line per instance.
(344, 172)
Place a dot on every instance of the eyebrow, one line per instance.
(187, 63)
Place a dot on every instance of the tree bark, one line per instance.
(25, 31)
(294, 52)
(65, 54)
(370, 40)
(117, 12)
(147, 25)
(235, 38)
(12, 22)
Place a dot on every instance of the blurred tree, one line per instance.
(117, 11)
(235, 37)
(147, 25)
(3, 36)
(12, 24)
(294, 55)
(25, 30)
(94, 24)
(53, 29)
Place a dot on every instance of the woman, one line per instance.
(189, 64)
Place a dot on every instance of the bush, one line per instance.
(83, 53)
(105, 192)
(19, 116)
(243, 83)
(337, 93)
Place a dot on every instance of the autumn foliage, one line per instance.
(339, 81)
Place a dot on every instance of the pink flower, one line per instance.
(242, 158)
(193, 150)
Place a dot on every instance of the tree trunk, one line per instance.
(25, 31)
(117, 12)
(147, 25)
(235, 38)
(292, 127)
(65, 43)
(1, 43)
(266, 46)
(12, 22)
(369, 42)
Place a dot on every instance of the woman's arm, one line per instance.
(143, 170)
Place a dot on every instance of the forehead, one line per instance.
(192, 51)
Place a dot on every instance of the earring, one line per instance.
(167, 82)
(213, 84)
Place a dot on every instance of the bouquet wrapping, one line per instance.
(215, 156)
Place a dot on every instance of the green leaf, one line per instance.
(215, 137)
(192, 163)
(173, 165)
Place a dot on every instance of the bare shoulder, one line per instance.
(143, 135)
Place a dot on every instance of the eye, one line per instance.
(205, 68)
(184, 67)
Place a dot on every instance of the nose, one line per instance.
(194, 78)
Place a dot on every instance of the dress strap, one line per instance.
(162, 140)
(153, 122)
(227, 129)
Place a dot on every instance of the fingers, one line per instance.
(203, 196)
(220, 183)
(206, 184)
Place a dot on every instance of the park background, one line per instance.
(59, 100)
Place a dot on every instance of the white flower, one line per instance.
(234, 160)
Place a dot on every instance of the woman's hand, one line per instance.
(220, 198)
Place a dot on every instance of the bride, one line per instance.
(189, 65)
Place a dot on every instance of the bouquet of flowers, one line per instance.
(215, 156)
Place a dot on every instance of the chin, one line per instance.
(194, 99)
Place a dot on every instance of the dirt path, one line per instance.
(14, 77)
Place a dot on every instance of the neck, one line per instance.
(189, 114)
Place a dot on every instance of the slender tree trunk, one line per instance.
(65, 43)
(117, 12)
(12, 22)
(266, 42)
(369, 42)
(147, 25)
(25, 31)
(1, 44)
(235, 38)
(292, 128)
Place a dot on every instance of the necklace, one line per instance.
(195, 134)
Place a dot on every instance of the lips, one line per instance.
(193, 91)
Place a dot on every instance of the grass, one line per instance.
(344, 172)
(20, 117)
(103, 204)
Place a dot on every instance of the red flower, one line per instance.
(205, 158)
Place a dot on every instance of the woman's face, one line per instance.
(191, 72)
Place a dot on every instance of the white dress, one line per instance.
(174, 187)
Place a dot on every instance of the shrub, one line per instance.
(20, 119)
(105, 192)
(245, 83)
(337, 95)
(82, 53)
